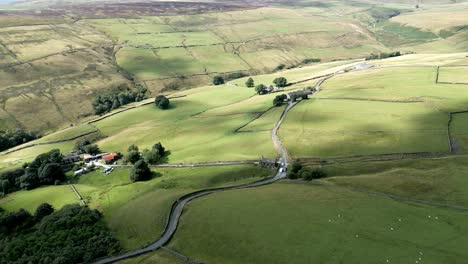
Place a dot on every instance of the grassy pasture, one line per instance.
(326, 128)
(68, 133)
(282, 35)
(439, 179)
(185, 135)
(325, 225)
(138, 212)
(18, 158)
(397, 83)
(159, 256)
(453, 74)
(150, 64)
(459, 132)
(57, 196)
(447, 17)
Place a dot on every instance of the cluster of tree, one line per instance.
(263, 89)
(140, 161)
(298, 171)
(86, 146)
(162, 102)
(151, 156)
(73, 234)
(45, 169)
(383, 55)
(13, 138)
(106, 103)
(311, 60)
(279, 99)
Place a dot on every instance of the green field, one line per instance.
(327, 128)
(453, 74)
(57, 196)
(438, 179)
(52, 68)
(459, 132)
(136, 212)
(160, 257)
(317, 224)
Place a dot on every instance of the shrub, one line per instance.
(309, 175)
(312, 60)
(280, 67)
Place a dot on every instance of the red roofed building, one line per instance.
(110, 157)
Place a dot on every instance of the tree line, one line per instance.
(383, 55)
(108, 102)
(15, 137)
(73, 234)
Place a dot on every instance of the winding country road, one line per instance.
(179, 205)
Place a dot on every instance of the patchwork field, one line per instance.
(52, 74)
(166, 51)
(206, 44)
(383, 130)
(325, 225)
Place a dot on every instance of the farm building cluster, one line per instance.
(101, 159)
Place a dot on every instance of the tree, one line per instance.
(132, 147)
(218, 80)
(91, 149)
(151, 156)
(292, 175)
(279, 99)
(296, 167)
(260, 89)
(50, 172)
(280, 82)
(305, 96)
(133, 156)
(42, 211)
(158, 147)
(140, 171)
(250, 82)
(162, 102)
